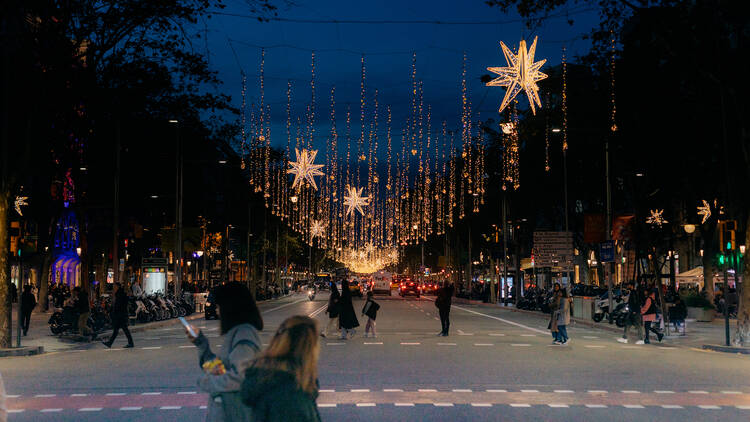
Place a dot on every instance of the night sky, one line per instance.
(388, 53)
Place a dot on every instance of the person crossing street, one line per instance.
(119, 317)
(443, 303)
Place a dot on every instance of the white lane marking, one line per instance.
(446, 344)
(365, 404)
(557, 405)
(630, 392)
(481, 404)
(596, 406)
(16, 410)
(360, 390)
(520, 344)
(462, 390)
(663, 391)
(597, 391)
(529, 391)
(427, 390)
(709, 407)
(442, 404)
(590, 337)
(410, 344)
(170, 407)
(564, 391)
(483, 344)
(630, 347)
(335, 344)
(90, 409)
(393, 390)
(528, 335)
(373, 342)
(520, 405)
(497, 391)
(404, 404)
(743, 407)
(497, 335)
(115, 394)
(151, 393)
(435, 318)
(283, 306)
(45, 395)
(151, 348)
(78, 395)
(326, 391)
(317, 311)
(632, 406)
(402, 333)
(594, 346)
(731, 392)
(187, 347)
(697, 392)
(128, 408)
(202, 407)
(12, 396)
(671, 406)
(187, 392)
(428, 314)
(326, 404)
(51, 410)
(502, 320)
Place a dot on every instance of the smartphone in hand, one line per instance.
(188, 327)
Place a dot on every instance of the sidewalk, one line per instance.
(698, 333)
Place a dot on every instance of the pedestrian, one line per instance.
(554, 307)
(333, 311)
(282, 383)
(648, 312)
(28, 302)
(677, 314)
(633, 318)
(84, 312)
(443, 303)
(119, 317)
(224, 373)
(563, 318)
(347, 317)
(13, 293)
(371, 310)
(136, 289)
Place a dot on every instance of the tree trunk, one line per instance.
(708, 271)
(44, 282)
(742, 334)
(5, 304)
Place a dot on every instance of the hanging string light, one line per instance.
(243, 122)
(613, 126)
(565, 100)
(547, 111)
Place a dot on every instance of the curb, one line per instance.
(22, 351)
(727, 349)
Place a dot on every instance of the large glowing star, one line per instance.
(656, 218)
(355, 201)
(705, 211)
(316, 229)
(304, 169)
(522, 73)
(20, 202)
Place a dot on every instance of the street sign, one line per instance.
(553, 249)
(607, 251)
(153, 262)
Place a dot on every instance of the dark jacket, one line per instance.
(333, 303)
(120, 307)
(444, 297)
(347, 316)
(634, 301)
(28, 302)
(82, 306)
(371, 309)
(275, 396)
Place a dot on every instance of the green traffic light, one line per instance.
(729, 246)
(721, 259)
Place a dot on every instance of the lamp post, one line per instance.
(690, 229)
(178, 210)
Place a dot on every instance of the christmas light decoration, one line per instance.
(656, 218)
(20, 202)
(316, 229)
(355, 201)
(304, 168)
(522, 73)
(705, 211)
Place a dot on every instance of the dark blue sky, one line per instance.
(387, 49)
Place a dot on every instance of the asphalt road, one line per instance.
(496, 365)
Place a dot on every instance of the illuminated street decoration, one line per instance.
(304, 169)
(656, 218)
(20, 202)
(316, 229)
(355, 201)
(522, 73)
(705, 211)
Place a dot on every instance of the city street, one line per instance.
(496, 365)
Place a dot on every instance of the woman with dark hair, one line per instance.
(347, 317)
(282, 383)
(224, 373)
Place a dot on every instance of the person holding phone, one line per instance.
(224, 372)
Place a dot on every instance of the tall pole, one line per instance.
(276, 271)
(726, 301)
(565, 202)
(19, 315)
(178, 213)
(505, 254)
(609, 220)
(116, 211)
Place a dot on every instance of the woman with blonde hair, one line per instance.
(282, 383)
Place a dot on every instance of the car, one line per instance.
(381, 282)
(409, 286)
(354, 287)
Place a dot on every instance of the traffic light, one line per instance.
(722, 259)
(727, 231)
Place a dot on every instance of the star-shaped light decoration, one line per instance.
(20, 202)
(508, 128)
(705, 211)
(656, 218)
(522, 73)
(355, 201)
(316, 229)
(304, 169)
